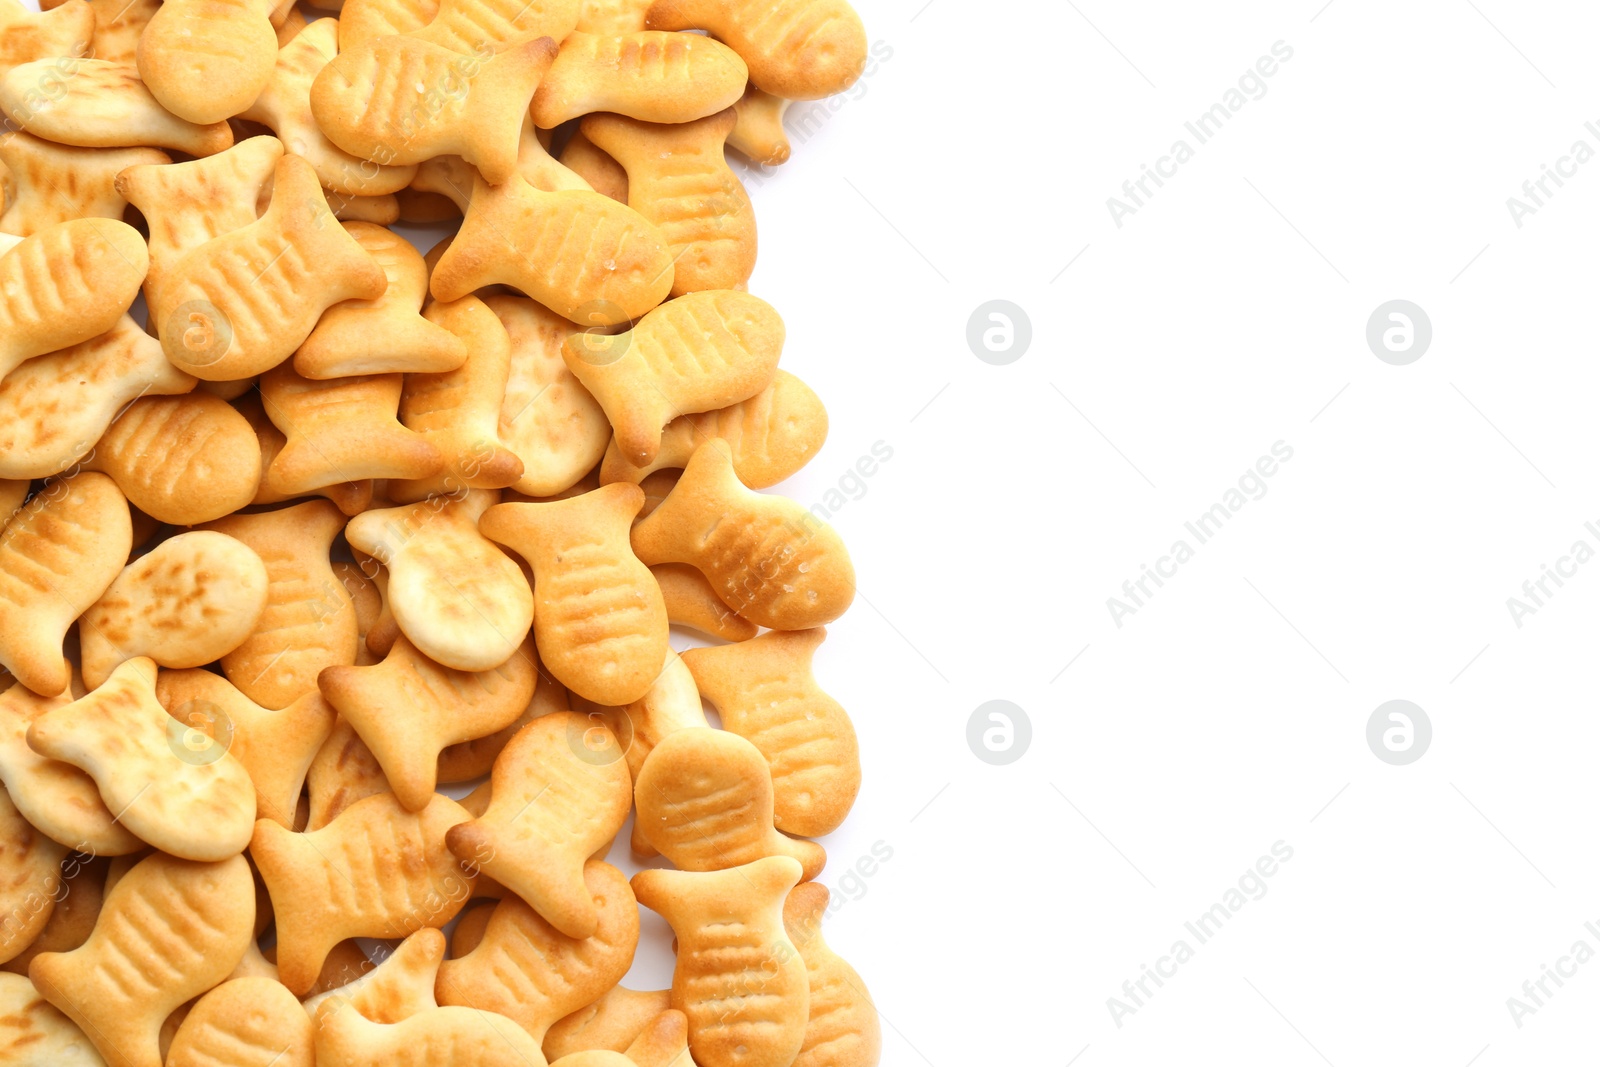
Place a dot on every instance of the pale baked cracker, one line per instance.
(58, 798)
(34, 1033)
(547, 417)
(458, 598)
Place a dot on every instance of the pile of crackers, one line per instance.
(336, 580)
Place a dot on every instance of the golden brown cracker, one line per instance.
(458, 1036)
(598, 617)
(408, 709)
(66, 284)
(341, 430)
(383, 335)
(699, 352)
(458, 411)
(56, 557)
(284, 106)
(183, 460)
(384, 101)
(704, 800)
(612, 1022)
(191, 600)
(648, 75)
(343, 771)
(560, 791)
(604, 174)
(679, 179)
(770, 436)
(275, 747)
(526, 969)
(173, 786)
(738, 978)
(768, 558)
(79, 897)
(842, 1030)
(765, 692)
(168, 931)
(322, 883)
(692, 602)
(244, 1022)
(472, 759)
(512, 233)
(206, 60)
(308, 623)
(798, 49)
(400, 986)
(759, 134)
(241, 303)
(187, 204)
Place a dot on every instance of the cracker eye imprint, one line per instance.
(339, 568)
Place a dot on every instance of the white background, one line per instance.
(975, 164)
(1230, 712)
